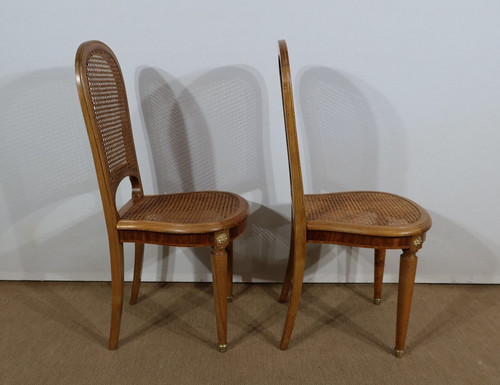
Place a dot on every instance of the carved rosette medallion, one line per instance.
(221, 240)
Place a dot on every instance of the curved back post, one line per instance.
(296, 185)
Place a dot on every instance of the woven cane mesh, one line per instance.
(186, 208)
(109, 101)
(361, 208)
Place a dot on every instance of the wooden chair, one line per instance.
(369, 219)
(193, 219)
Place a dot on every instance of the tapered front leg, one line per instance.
(378, 275)
(136, 283)
(220, 284)
(229, 250)
(116, 256)
(407, 271)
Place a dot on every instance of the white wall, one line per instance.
(400, 96)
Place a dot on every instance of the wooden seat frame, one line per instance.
(409, 237)
(159, 221)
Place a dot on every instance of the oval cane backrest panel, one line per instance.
(108, 118)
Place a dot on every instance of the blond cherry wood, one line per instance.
(368, 219)
(189, 219)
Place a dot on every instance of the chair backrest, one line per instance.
(296, 185)
(105, 109)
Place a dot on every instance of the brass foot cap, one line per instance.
(398, 353)
(376, 301)
(222, 348)
(230, 298)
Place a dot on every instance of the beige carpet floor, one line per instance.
(56, 333)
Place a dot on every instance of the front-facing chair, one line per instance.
(356, 218)
(193, 219)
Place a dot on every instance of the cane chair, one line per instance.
(366, 219)
(192, 219)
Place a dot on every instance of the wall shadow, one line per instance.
(207, 132)
(339, 130)
(346, 124)
(347, 127)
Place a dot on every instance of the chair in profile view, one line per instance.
(192, 219)
(366, 219)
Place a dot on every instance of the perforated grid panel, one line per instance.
(188, 208)
(108, 97)
(361, 208)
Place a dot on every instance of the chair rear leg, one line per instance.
(220, 286)
(136, 283)
(116, 256)
(287, 282)
(378, 275)
(298, 277)
(229, 250)
(407, 271)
